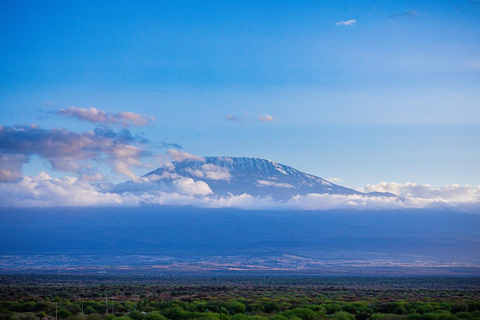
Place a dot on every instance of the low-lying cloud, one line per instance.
(210, 171)
(451, 193)
(44, 191)
(79, 153)
(266, 183)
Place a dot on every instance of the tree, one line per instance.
(154, 316)
(89, 310)
(342, 315)
(63, 314)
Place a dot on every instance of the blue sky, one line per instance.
(393, 96)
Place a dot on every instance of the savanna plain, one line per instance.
(105, 297)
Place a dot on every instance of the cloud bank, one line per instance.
(79, 152)
(451, 193)
(67, 151)
(44, 191)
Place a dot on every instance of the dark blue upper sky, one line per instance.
(360, 90)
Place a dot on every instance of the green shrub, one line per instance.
(63, 314)
(154, 316)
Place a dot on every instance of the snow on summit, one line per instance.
(241, 175)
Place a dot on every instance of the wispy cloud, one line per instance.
(124, 135)
(169, 145)
(265, 118)
(127, 118)
(232, 118)
(97, 116)
(350, 22)
(182, 156)
(210, 171)
(406, 14)
(266, 183)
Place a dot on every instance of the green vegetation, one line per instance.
(77, 298)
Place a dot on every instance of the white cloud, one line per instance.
(346, 23)
(210, 171)
(180, 156)
(334, 180)
(45, 191)
(92, 114)
(168, 183)
(265, 118)
(164, 175)
(328, 202)
(97, 116)
(265, 183)
(130, 118)
(452, 193)
(188, 186)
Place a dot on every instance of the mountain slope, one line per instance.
(257, 177)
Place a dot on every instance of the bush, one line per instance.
(154, 316)
(459, 307)
(342, 315)
(63, 314)
(236, 307)
(89, 310)
(302, 313)
(270, 307)
(386, 316)
(94, 316)
(136, 315)
(332, 308)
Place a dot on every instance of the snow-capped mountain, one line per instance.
(257, 177)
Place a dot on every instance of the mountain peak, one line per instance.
(243, 175)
